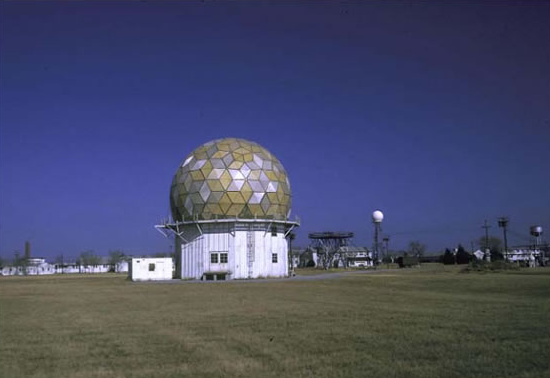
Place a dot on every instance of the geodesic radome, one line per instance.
(229, 178)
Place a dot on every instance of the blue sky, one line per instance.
(438, 113)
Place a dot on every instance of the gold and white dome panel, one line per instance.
(230, 178)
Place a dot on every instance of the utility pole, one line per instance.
(486, 227)
(503, 222)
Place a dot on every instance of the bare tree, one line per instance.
(325, 256)
(416, 249)
(493, 243)
(88, 258)
(115, 257)
(343, 256)
(328, 245)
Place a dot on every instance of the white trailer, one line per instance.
(151, 269)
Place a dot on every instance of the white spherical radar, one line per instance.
(377, 216)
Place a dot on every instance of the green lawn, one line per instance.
(410, 323)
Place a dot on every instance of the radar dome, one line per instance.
(377, 216)
(230, 178)
(535, 230)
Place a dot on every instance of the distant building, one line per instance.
(68, 268)
(122, 266)
(356, 257)
(525, 256)
(479, 254)
(346, 257)
(39, 266)
(32, 267)
(99, 268)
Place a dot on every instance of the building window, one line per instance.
(213, 258)
(273, 230)
(273, 257)
(223, 258)
(151, 267)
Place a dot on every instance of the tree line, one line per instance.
(493, 244)
(417, 250)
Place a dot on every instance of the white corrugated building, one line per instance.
(235, 249)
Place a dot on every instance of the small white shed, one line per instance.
(479, 254)
(151, 269)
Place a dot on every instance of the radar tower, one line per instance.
(377, 218)
(536, 231)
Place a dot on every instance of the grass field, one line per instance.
(411, 323)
